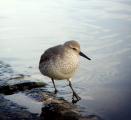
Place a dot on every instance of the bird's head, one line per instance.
(75, 46)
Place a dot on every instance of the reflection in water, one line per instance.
(103, 28)
(22, 100)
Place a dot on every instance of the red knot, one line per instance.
(61, 62)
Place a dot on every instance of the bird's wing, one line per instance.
(51, 52)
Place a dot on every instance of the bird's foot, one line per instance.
(55, 91)
(75, 98)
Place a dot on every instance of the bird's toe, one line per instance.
(55, 91)
(75, 98)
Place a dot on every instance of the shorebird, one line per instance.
(61, 62)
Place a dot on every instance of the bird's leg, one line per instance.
(54, 85)
(75, 95)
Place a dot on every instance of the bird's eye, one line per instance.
(74, 48)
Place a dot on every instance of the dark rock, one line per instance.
(59, 109)
(10, 89)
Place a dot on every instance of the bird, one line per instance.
(61, 62)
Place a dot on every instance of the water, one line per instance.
(103, 28)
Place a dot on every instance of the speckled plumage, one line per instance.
(59, 62)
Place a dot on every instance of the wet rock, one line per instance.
(60, 109)
(10, 89)
(53, 108)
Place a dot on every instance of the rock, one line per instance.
(53, 108)
(59, 109)
(10, 89)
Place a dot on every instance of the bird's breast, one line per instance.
(69, 64)
(60, 67)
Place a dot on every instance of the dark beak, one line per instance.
(83, 55)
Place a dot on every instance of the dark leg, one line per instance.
(54, 85)
(74, 94)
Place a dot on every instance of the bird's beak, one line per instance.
(83, 55)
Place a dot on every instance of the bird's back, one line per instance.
(51, 53)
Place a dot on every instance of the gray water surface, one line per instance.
(102, 27)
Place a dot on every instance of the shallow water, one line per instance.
(103, 28)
